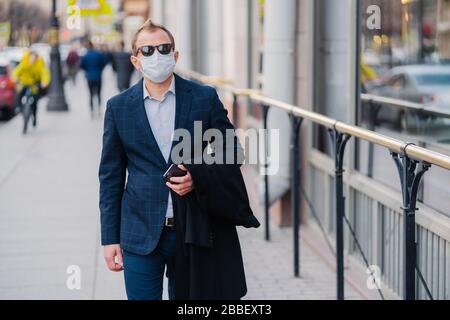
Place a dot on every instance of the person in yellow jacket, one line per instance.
(32, 73)
(368, 75)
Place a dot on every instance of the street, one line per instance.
(49, 217)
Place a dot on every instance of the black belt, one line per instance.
(170, 222)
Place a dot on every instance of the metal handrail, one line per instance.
(422, 108)
(395, 145)
(211, 80)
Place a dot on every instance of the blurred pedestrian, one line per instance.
(123, 67)
(93, 63)
(73, 64)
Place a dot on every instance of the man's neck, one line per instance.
(157, 90)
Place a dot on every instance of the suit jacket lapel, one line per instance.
(137, 100)
(183, 106)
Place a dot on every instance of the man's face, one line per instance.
(150, 38)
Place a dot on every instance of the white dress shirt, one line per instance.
(161, 117)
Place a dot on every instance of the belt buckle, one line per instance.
(170, 222)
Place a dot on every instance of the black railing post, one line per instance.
(295, 187)
(265, 112)
(339, 142)
(410, 179)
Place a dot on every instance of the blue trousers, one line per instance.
(144, 275)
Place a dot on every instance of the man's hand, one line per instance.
(111, 252)
(183, 185)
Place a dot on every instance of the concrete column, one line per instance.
(212, 39)
(336, 61)
(305, 83)
(229, 31)
(176, 15)
(183, 33)
(305, 57)
(236, 41)
(157, 11)
(279, 82)
(170, 17)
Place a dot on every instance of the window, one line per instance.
(406, 57)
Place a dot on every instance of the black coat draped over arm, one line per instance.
(209, 262)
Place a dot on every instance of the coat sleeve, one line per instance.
(112, 176)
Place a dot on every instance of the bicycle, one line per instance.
(28, 103)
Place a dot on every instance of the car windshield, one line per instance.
(3, 71)
(433, 79)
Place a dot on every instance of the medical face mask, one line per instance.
(158, 67)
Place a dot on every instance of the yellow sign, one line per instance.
(89, 7)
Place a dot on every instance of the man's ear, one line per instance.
(176, 55)
(136, 62)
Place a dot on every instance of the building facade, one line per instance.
(312, 54)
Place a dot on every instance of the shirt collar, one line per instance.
(170, 90)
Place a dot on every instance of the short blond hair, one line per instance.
(149, 25)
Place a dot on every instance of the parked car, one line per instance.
(7, 91)
(13, 54)
(428, 85)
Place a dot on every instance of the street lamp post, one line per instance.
(57, 99)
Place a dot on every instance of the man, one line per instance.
(123, 67)
(93, 63)
(31, 73)
(147, 224)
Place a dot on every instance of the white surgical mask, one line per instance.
(158, 68)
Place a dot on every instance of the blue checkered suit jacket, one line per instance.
(133, 206)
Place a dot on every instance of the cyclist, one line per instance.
(31, 73)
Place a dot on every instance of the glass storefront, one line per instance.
(405, 57)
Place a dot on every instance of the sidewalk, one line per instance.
(49, 205)
(49, 218)
(270, 265)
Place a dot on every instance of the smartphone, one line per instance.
(173, 172)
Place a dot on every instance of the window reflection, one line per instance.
(408, 60)
(405, 81)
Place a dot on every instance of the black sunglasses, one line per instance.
(148, 51)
